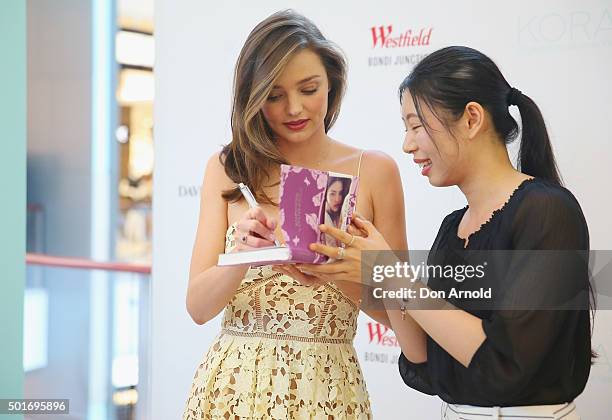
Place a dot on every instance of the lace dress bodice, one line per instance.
(270, 304)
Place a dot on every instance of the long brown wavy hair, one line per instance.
(267, 50)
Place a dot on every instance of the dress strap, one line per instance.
(359, 165)
(358, 174)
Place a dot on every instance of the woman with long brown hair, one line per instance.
(285, 349)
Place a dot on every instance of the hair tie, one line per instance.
(513, 96)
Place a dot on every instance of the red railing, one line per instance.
(69, 262)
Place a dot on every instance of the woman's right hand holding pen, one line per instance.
(254, 230)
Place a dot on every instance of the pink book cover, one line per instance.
(308, 198)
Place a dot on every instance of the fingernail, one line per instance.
(311, 247)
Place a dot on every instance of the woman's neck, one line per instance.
(489, 184)
(311, 153)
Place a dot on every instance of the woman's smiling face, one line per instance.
(439, 160)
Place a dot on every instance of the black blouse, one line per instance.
(530, 356)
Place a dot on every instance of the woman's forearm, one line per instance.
(211, 290)
(456, 331)
(410, 336)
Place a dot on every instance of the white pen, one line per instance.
(250, 198)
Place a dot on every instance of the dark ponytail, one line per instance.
(448, 79)
(536, 157)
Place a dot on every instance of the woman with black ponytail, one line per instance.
(526, 353)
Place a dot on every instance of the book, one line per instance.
(307, 199)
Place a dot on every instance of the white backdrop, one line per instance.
(557, 52)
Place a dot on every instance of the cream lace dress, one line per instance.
(284, 352)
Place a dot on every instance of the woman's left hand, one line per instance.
(347, 266)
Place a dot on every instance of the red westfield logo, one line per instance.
(381, 335)
(383, 37)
